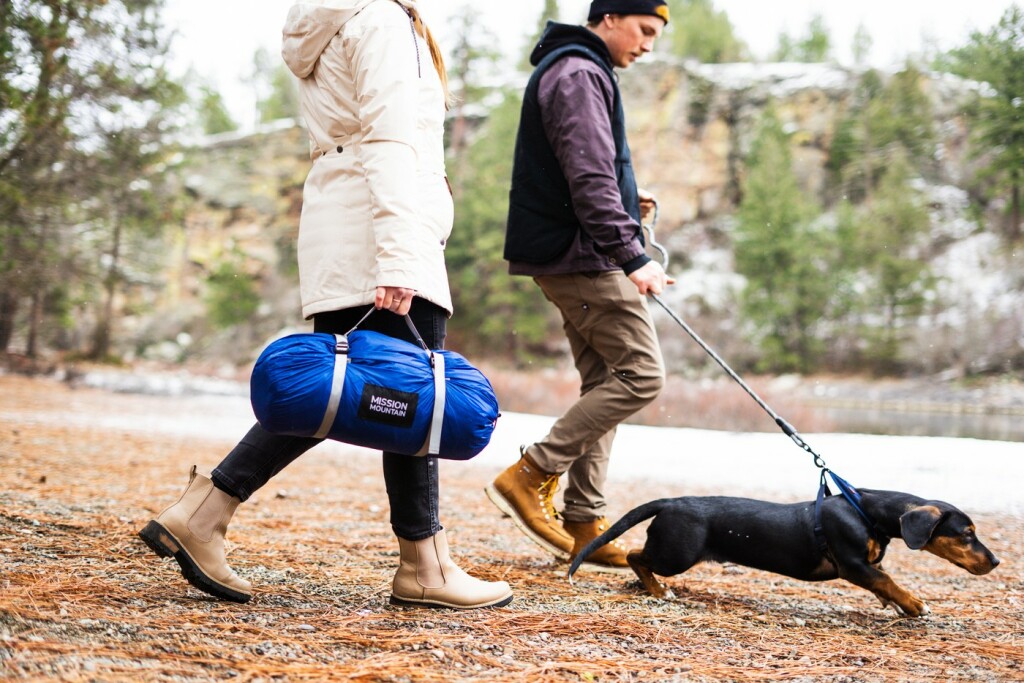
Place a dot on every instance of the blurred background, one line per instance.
(840, 196)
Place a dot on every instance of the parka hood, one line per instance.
(312, 24)
(556, 35)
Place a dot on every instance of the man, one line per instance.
(574, 226)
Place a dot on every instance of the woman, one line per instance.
(376, 212)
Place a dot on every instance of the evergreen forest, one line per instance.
(829, 271)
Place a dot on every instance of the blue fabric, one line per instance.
(387, 399)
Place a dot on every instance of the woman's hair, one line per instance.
(435, 55)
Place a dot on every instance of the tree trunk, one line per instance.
(35, 320)
(8, 312)
(866, 160)
(1014, 230)
(458, 148)
(101, 336)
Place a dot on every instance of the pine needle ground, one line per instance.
(82, 599)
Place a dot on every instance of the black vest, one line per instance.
(541, 220)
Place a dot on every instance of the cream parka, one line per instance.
(376, 209)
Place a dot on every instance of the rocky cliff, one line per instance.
(691, 128)
(692, 125)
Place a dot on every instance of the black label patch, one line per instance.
(389, 406)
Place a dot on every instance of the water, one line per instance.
(998, 427)
(995, 427)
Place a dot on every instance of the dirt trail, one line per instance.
(82, 599)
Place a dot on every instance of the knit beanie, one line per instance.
(657, 8)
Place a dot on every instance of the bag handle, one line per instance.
(408, 321)
(433, 444)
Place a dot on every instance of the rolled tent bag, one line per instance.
(372, 390)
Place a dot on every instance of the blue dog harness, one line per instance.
(853, 497)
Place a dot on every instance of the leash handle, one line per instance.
(786, 428)
(650, 236)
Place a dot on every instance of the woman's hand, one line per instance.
(398, 300)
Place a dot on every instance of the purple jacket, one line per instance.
(576, 97)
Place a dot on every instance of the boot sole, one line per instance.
(605, 568)
(502, 504)
(406, 602)
(164, 544)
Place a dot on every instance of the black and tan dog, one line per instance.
(781, 538)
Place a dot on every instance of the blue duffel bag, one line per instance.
(372, 390)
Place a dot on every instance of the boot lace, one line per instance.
(602, 526)
(546, 496)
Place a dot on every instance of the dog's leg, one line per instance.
(887, 590)
(654, 587)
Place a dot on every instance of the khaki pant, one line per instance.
(616, 352)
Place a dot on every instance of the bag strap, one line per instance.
(437, 421)
(337, 384)
(433, 443)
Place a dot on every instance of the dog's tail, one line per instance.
(628, 521)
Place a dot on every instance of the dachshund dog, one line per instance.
(782, 538)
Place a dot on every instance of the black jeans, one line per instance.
(411, 481)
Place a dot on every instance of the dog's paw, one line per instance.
(661, 592)
(915, 608)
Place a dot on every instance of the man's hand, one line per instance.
(651, 278)
(647, 205)
(398, 300)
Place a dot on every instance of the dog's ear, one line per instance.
(917, 525)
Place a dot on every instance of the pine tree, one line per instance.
(817, 45)
(274, 88)
(996, 57)
(891, 245)
(782, 255)
(495, 313)
(814, 46)
(862, 43)
(472, 65)
(699, 31)
(34, 109)
(282, 99)
(80, 84)
(885, 120)
(213, 115)
(550, 12)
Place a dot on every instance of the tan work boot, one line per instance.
(526, 493)
(427, 577)
(608, 558)
(192, 532)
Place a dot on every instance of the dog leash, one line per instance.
(845, 488)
